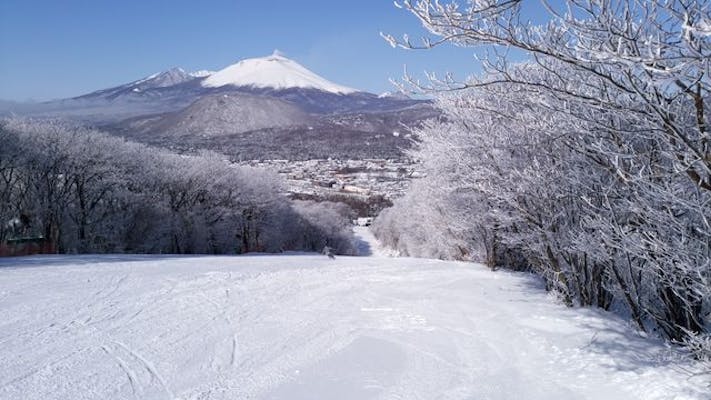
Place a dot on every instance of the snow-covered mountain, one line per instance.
(273, 72)
(172, 90)
(288, 111)
(165, 79)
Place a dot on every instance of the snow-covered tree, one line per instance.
(589, 161)
(325, 224)
(90, 192)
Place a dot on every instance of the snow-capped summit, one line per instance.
(274, 72)
(167, 78)
(158, 81)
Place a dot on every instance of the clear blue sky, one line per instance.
(54, 49)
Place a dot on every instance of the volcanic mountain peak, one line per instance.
(274, 72)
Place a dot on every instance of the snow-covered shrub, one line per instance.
(423, 224)
(325, 224)
(699, 344)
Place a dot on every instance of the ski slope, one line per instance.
(301, 326)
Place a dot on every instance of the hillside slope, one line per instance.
(303, 326)
(221, 115)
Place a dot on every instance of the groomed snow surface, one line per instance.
(302, 326)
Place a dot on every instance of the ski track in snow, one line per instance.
(303, 326)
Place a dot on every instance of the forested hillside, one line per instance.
(85, 191)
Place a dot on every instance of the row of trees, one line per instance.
(90, 192)
(590, 163)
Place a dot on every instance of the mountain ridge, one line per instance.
(289, 112)
(174, 89)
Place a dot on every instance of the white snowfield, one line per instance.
(302, 326)
(275, 72)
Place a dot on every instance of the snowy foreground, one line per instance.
(306, 327)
